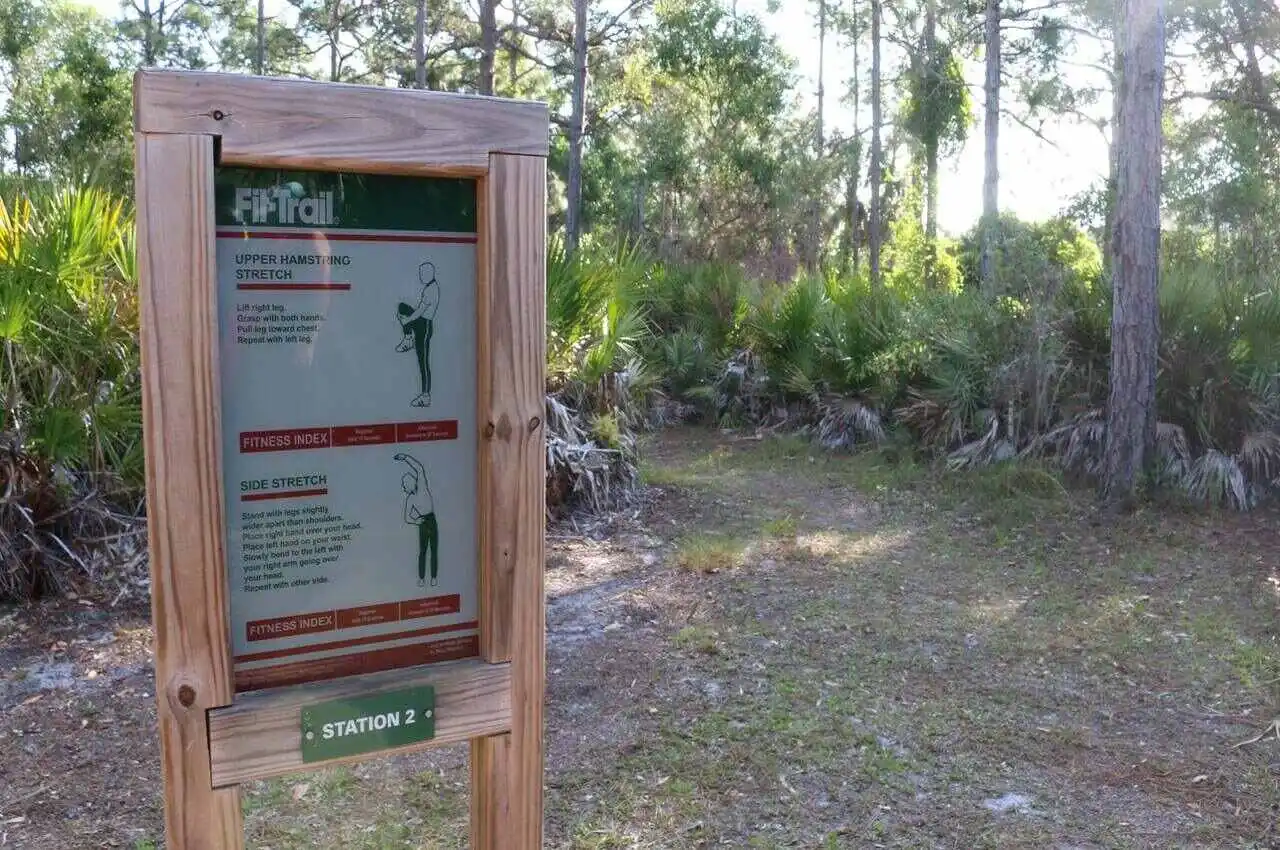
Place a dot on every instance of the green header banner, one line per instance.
(315, 200)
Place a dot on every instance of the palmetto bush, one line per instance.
(70, 418)
(981, 373)
(709, 301)
(785, 333)
(1219, 380)
(598, 383)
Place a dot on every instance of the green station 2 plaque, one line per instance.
(348, 727)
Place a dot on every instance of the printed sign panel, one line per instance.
(348, 727)
(347, 311)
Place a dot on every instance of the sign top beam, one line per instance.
(302, 124)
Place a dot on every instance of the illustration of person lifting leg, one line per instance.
(420, 510)
(416, 323)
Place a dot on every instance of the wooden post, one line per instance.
(507, 769)
(211, 738)
(184, 494)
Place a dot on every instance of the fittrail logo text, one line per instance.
(283, 206)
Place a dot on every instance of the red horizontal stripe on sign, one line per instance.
(350, 642)
(320, 236)
(432, 607)
(292, 439)
(293, 287)
(283, 494)
(363, 435)
(290, 626)
(421, 432)
(373, 661)
(368, 615)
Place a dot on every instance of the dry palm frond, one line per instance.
(58, 533)
(742, 389)
(581, 473)
(932, 420)
(1217, 479)
(1077, 444)
(1260, 456)
(1173, 453)
(846, 422)
(989, 449)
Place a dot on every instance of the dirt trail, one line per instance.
(780, 649)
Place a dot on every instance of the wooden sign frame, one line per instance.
(211, 739)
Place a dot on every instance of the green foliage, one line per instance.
(70, 106)
(716, 164)
(938, 109)
(980, 374)
(861, 330)
(68, 325)
(785, 333)
(907, 253)
(1220, 379)
(70, 397)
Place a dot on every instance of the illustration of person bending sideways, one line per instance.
(420, 510)
(416, 324)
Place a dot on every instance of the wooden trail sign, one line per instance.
(342, 299)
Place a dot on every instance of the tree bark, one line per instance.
(577, 125)
(488, 43)
(513, 58)
(815, 206)
(1113, 148)
(822, 48)
(1135, 318)
(877, 175)
(335, 66)
(931, 147)
(931, 199)
(148, 35)
(260, 54)
(851, 258)
(420, 47)
(991, 157)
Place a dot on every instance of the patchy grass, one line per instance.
(1258, 666)
(698, 639)
(780, 528)
(371, 807)
(709, 553)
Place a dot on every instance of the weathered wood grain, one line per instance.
(282, 123)
(491, 771)
(258, 736)
(184, 495)
(511, 770)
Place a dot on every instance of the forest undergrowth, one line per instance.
(956, 373)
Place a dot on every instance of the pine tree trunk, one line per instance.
(577, 125)
(334, 35)
(991, 154)
(822, 48)
(856, 176)
(1135, 319)
(931, 196)
(420, 47)
(816, 240)
(1113, 149)
(931, 154)
(260, 55)
(488, 43)
(877, 175)
(148, 36)
(513, 57)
